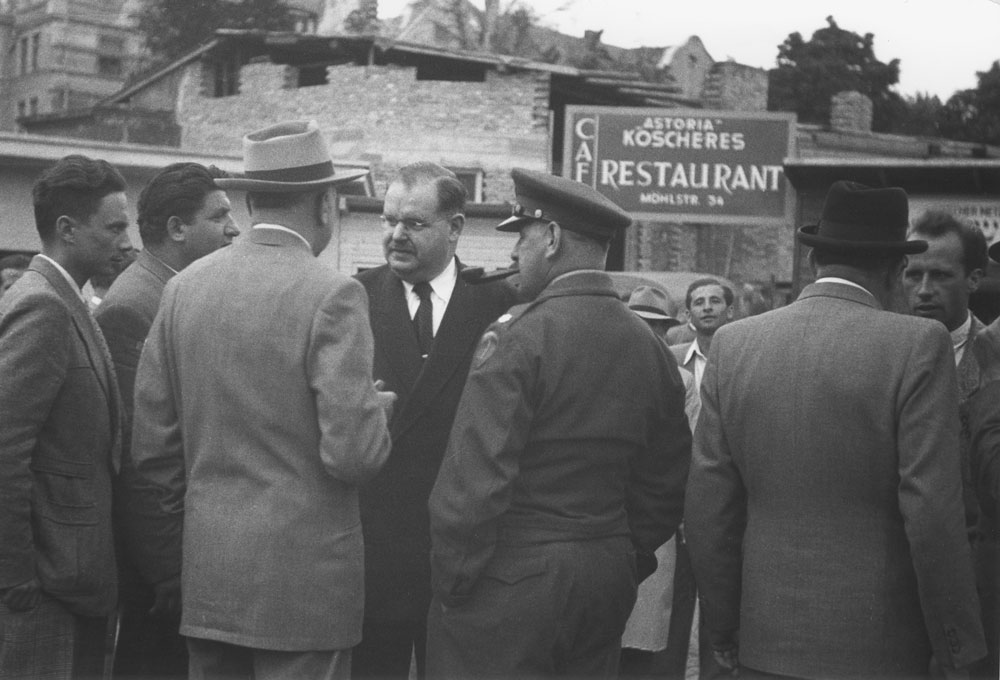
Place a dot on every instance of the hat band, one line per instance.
(846, 231)
(304, 173)
(648, 309)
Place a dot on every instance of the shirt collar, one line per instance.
(264, 225)
(693, 350)
(442, 285)
(837, 279)
(62, 270)
(960, 335)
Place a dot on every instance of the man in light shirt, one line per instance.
(60, 431)
(710, 306)
(938, 283)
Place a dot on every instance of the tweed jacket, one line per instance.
(255, 420)
(394, 502)
(60, 438)
(824, 508)
(970, 376)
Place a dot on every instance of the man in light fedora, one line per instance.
(824, 511)
(255, 420)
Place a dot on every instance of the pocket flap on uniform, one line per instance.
(510, 571)
(66, 468)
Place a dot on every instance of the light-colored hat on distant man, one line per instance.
(652, 303)
(287, 157)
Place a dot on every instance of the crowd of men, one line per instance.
(246, 464)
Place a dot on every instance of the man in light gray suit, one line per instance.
(824, 509)
(256, 418)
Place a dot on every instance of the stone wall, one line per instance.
(382, 115)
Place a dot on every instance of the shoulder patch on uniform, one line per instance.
(487, 346)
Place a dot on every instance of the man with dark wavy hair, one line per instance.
(60, 431)
(183, 216)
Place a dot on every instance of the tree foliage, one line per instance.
(834, 60)
(173, 27)
(974, 115)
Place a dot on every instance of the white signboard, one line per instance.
(982, 212)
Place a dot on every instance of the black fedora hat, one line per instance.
(860, 219)
(994, 251)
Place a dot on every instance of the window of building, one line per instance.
(225, 77)
(23, 63)
(312, 75)
(472, 178)
(59, 100)
(33, 106)
(22, 108)
(36, 46)
(109, 66)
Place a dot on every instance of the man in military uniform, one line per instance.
(566, 464)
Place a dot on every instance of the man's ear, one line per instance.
(553, 239)
(730, 310)
(455, 225)
(176, 229)
(973, 280)
(326, 208)
(66, 228)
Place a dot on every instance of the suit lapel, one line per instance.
(968, 366)
(456, 335)
(93, 342)
(399, 342)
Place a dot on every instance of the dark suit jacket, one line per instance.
(824, 509)
(561, 435)
(125, 315)
(394, 503)
(60, 437)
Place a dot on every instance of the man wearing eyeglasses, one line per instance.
(426, 322)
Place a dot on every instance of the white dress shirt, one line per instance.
(442, 286)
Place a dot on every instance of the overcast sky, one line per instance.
(940, 43)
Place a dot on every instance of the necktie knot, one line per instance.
(423, 290)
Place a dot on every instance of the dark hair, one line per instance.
(15, 261)
(727, 292)
(938, 223)
(74, 186)
(451, 193)
(176, 190)
(865, 261)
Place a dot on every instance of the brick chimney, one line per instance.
(851, 111)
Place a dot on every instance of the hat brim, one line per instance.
(655, 316)
(515, 222)
(808, 237)
(271, 186)
(994, 251)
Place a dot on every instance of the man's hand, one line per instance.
(940, 670)
(167, 597)
(22, 597)
(727, 656)
(386, 400)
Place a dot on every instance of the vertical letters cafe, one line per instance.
(684, 166)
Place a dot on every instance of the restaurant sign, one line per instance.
(683, 165)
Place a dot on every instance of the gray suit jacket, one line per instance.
(60, 437)
(824, 507)
(255, 420)
(125, 315)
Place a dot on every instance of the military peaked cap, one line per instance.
(572, 205)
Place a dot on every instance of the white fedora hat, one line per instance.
(286, 157)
